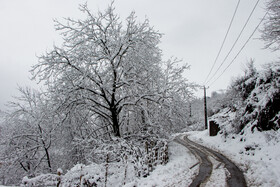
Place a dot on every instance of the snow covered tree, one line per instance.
(102, 64)
(177, 92)
(271, 30)
(243, 85)
(28, 134)
(106, 77)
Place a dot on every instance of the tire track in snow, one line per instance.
(205, 167)
(234, 178)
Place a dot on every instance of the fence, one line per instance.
(156, 153)
(153, 153)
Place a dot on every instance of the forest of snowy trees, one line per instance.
(106, 81)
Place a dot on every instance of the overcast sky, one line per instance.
(193, 31)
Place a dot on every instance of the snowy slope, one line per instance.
(250, 134)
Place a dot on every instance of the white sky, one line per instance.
(193, 31)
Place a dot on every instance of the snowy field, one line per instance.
(257, 155)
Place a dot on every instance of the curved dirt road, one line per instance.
(235, 178)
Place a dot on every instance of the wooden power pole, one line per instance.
(190, 108)
(205, 109)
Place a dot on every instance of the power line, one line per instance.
(240, 49)
(244, 26)
(223, 40)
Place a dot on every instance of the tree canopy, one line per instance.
(271, 30)
(103, 65)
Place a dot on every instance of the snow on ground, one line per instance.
(175, 173)
(218, 175)
(257, 154)
(178, 172)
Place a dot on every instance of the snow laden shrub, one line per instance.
(252, 101)
(262, 105)
(118, 162)
(243, 86)
(142, 152)
(40, 181)
(84, 176)
(226, 118)
(236, 94)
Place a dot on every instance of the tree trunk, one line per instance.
(115, 124)
(48, 159)
(45, 148)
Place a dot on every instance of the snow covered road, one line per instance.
(215, 169)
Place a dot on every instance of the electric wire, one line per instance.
(231, 21)
(232, 47)
(240, 50)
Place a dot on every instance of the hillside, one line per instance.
(249, 123)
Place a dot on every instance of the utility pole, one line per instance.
(190, 108)
(205, 109)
